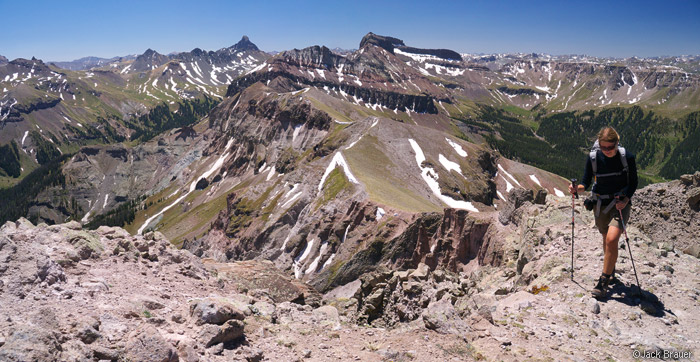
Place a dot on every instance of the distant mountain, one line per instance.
(47, 110)
(90, 62)
(3, 60)
(341, 51)
(288, 111)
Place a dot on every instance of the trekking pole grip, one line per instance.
(574, 184)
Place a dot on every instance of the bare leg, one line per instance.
(610, 248)
(604, 246)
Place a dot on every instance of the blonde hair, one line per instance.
(608, 134)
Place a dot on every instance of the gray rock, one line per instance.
(146, 344)
(612, 328)
(442, 317)
(694, 198)
(594, 306)
(49, 271)
(88, 334)
(541, 197)
(186, 353)
(516, 198)
(250, 354)
(23, 223)
(152, 304)
(686, 179)
(109, 354)
(8, 228)
(346, 291)
(264, 309)
(212, 334)
(31, 343)
(693, 250)
(73, 225)
(326, 315)
(178, 318)
(213, 311)
(421, 273)
(438, 276)
(75, 351)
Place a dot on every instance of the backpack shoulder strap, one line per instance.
(592, 156)
(623, 158)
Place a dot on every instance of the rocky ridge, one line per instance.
(78, 295)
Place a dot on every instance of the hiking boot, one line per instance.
(613, 278)
(601, 289)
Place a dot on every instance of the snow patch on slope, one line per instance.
(430, 177)
(460, 151)
(338, 160)
(449, 165)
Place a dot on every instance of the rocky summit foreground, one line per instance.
(76, 295)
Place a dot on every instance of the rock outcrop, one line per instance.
(669, 213)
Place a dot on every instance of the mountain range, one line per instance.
(238, 154)
(338, 169)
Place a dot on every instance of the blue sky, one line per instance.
(66, 30)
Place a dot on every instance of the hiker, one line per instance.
(614, 172)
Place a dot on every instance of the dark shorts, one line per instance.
(612, 218)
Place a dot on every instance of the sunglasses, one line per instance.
(608, 148)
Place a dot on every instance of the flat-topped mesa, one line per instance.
(385, 42)
(390, 44)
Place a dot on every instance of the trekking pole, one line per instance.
(627, 239)
(573, 207)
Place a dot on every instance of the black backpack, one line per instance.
(623, 158)
(596, 199)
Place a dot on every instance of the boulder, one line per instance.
(421, 272)
(31, 343)
(49, 271)
(326, 316)
(37, 340)
(442, 317)
(346, 291)
(693, 250)
(146, 344)
(541, 197)
(264, 309)
(213, 311)
(686, 179)
(212, 334)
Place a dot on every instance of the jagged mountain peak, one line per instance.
(3, 60)
(386, 42)
(149, 52)
(197, 52)
(245, 44)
